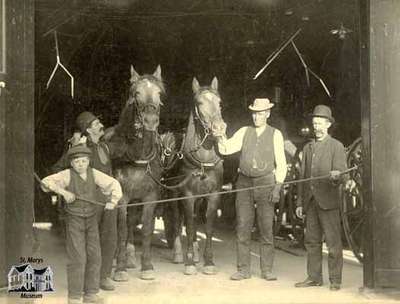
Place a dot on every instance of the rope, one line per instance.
(214, 193)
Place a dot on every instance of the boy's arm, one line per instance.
(108, 186)
(57, 183)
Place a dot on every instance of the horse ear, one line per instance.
(157, 73)
(214, 84)
(134, 75)
(195, 85)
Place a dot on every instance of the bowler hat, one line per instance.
(78, 151)
(261, 104)
(323, 111)
(84, 120)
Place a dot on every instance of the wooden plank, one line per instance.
(385, 138)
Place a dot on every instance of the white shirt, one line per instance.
(108, 185)
(234, 144)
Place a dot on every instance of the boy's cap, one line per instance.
(78, 151)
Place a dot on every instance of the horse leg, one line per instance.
(190, 267)
(147, 271)
(196, 247)
(121, 274)
(130, 247)
(209, 266)
(178, 253)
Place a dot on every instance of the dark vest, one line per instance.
(85, 189)
(257, 157)
(95, 161)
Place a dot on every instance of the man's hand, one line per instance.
(109, 206)
(68, 196)
(275, 195)
(334, 175)
(219, 130)
(299, 212)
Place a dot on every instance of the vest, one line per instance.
(85, 189)
(95, 161)
(257, 157)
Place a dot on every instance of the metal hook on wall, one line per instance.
(58, 63)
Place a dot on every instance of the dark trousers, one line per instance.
(321, 222)
(84, 259)
(122, 239)
(107, 220)
(245, 213)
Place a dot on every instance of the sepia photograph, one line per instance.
(200, 151)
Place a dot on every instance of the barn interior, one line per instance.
(98, 40)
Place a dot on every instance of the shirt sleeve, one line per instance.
(280, 158)
(233, 144)
(108, 185)
(57, 182)
(339, 160)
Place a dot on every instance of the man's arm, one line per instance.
(339, 163)
(233, 144)
(108, 185)
(280, 158)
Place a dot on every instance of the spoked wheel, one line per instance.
(287, 204)
(353, 213)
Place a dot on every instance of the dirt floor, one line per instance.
(172, 286)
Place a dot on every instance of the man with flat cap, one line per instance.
(262, 162)
(112, 223)
(319, 200)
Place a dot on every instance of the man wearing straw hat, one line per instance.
(262, 162)
(319, 200)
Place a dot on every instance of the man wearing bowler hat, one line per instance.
(319, 200)
(262, 162)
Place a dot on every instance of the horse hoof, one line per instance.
(190, 270)
(147, 275)
(210, 270)
(178, 258)
(121, 276)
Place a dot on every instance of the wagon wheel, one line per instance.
(353, 213)
(297, 224)
(287, 204)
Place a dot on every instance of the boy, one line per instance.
(82, 232)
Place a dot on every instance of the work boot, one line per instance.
(92, 298)
(240, 275)
(308, 283)
(106, 284)
(269, 276)
(334, 287)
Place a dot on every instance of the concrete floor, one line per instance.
(172, 286)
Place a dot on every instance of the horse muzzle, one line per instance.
(151, 121)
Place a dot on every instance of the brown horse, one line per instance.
(203, 170)
(136, 134)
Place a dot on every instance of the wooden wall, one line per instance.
(17, 137)
(381, 134)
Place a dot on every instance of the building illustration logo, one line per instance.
(24, 278)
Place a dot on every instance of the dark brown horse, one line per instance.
(136, 134)
(203, 170)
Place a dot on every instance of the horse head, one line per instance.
(145, 94)
(208, 106)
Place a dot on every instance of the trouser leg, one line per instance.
(108, 240)
(122, 227)
(245, 219)
(93, 263)
(313, 243)
(76, 251)
(330, 220)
